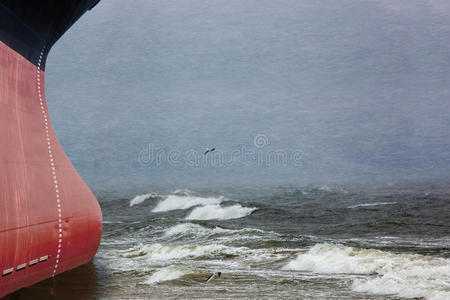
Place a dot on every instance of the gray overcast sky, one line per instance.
(345, 91)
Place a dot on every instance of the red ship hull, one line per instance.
(50, 221)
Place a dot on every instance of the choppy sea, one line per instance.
(316, 242)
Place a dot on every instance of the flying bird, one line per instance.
(209, 150)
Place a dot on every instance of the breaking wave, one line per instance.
(163, 253)
(204, 208)
(173, 202)
(200, 231)
(167, 252)
(140, 198)
(167, 274)
(194, 229)
(405, 275)
(217, 212)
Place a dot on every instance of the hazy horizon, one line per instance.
(298, 93)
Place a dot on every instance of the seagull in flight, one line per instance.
(209, 150)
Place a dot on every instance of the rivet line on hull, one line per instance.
(51, 160)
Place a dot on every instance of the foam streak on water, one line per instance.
(371, 204)
(198, 230)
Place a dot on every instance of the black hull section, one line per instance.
(27, 27)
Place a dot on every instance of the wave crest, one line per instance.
(141, 198)
(167, 274)
(217, 212)
(161, 252)
(173, 202)
(201, 231)
(406, 275)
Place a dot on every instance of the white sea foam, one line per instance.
(112, 222)
(167, 252)
(423, 242)
(158, 253)
(405, 275)
(194, 229)
(371, 204)
(167, 274)
(140, 198)
(325, 188)
(217, 212)
(183, 192)
(173, 202)
(198, 230)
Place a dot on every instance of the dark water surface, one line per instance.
(312, 242)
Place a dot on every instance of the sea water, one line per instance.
(315, 242)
